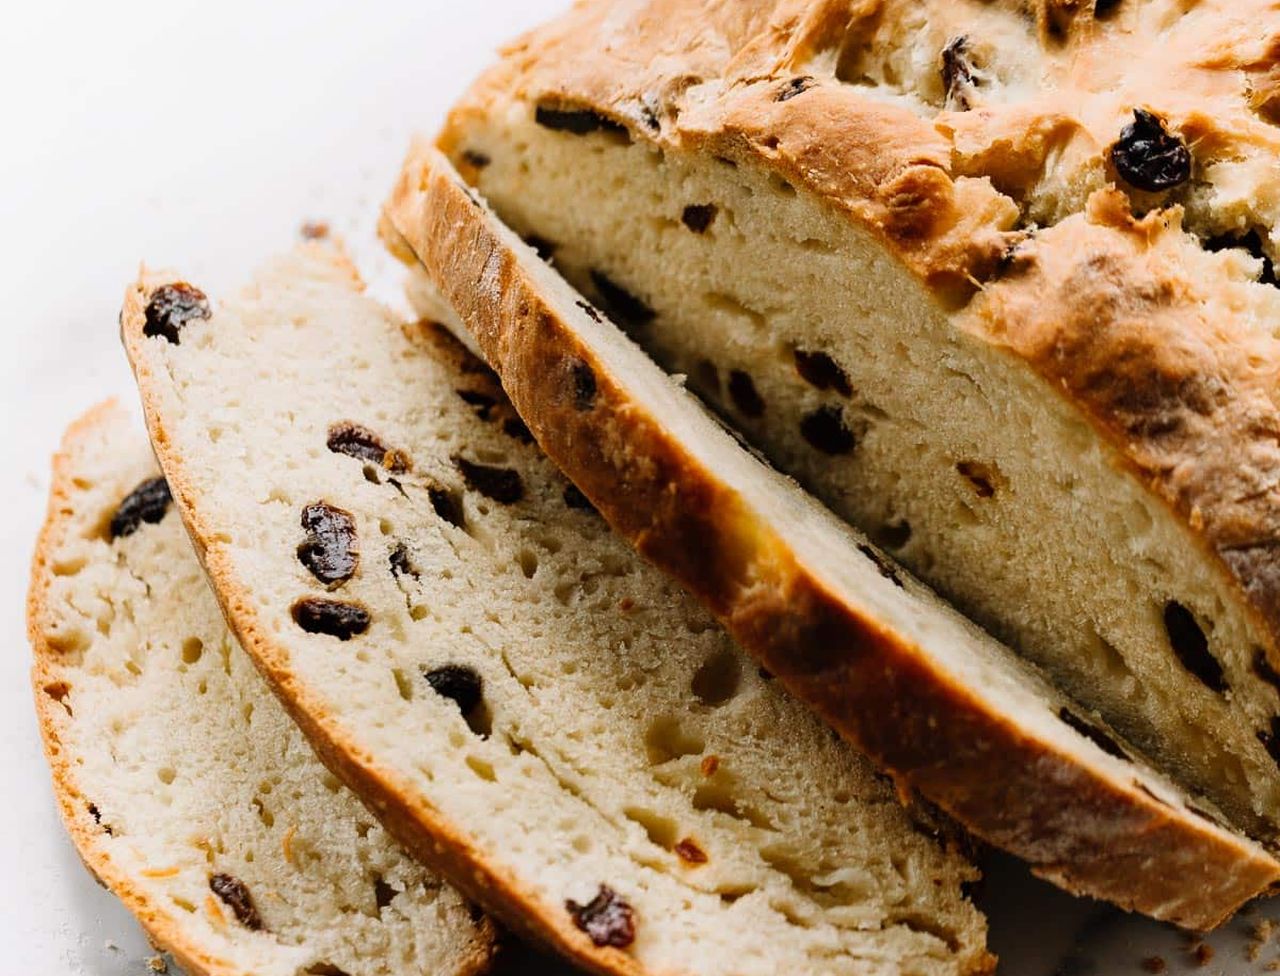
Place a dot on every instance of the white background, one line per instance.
(200, 136)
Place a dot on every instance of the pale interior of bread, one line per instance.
(180, 765)
(972, 471)
(619, 729)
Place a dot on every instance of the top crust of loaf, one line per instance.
(1005, 202)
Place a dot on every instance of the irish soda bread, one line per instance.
(941, 705)
(527, 704)
(187, 789)
(992, 278)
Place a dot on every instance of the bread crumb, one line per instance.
(157, 964)
(1154, 964)
(1260, 935)
(1202, 952)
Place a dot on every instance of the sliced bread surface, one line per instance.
(186, 788)
(529, 706)
(895, 244)
(938, 703)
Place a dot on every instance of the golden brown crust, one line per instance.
(164, 928)
(950, 184)
(407, 815)
(1080, 825)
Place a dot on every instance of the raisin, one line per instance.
(886, 568)
(541, 246)
(826, 431)
(579, 122)
(743, 392)
(361, 443)
(584, 385)
(329, 550)
(590, 309)
(1263, 669)
(622, 305)
(457, 682)
(794, 87)
(401, 562)
(515, 428)
(235, 895)
(474, 157)
(97, 819)
(1148, 156)
(822, 372)
(957, 73)
(448, 506)
(978, 476)
(482, 403)
(149, 503)
(689, 852)
(607, 919)
(501, 484)
(383, 893)
(1092, 733)
(1270, 739)
(1104, 8)
(1190, 644)
(171, 307)
(698, 216)
(574, 498)
(330, 617)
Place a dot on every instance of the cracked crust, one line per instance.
(167, 928)
(846, 98)
(1077, 822)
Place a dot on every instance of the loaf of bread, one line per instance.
(185, 786)
(993, 279)
(530, 707)
(934, 700)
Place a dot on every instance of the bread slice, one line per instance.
(946, 709)
(529, 706)
(186, 788)
(896, 246)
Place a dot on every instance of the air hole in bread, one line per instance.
(482, 403)
(482, 768)
(1263, 669)
(527, 559)
(822, 372)
(719, 678)
(718, 794)
(1270, 739)
(623, 307)
(1189, 643)
(502, 485)
(667, 739)
(983, 478)
(825, 430)
(68, 567)
(166, 775)
(325, 969)
(743, 393)
(699, 216)
(70, 641)
(264, 812)
(403, 685)
(371, 475)
(1091, 732)
(383, 893)
(192, 650)
(660, 830)
(706, 378)
(894, 534)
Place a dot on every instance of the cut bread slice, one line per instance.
(895, 245)
(186, 788)
(554, 724)
(942, 706)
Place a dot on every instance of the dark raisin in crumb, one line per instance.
(978, 476)
(97, 819)
(330, 617)
(1270, 739)
(515, 428)
(689, 852)
(822, 372)
(742, 390)
(574, 498)
(501, 484)
(592, 312)
(1263, 669)
(171, 307)
(583, 384)
(1189, 643)
(148, 503)
(474, 157)
(607, 919)
(361, 443)
(1104, 8)
(622, 305)
(885, 568)
(826, 431)
(235, 895)
(1148, 156)
(1092, 733)
(579, 122)
(794, 87)
(544, 248)
(457, 682)
(698, 216)
(329, 551)
(447, 505)
(482, 403)
(401, 562)
(957, 72)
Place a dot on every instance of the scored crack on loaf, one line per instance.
(186, 788)
(527, 704)
(993, 279)
(935, 701)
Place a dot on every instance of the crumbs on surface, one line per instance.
(1259, 936)
(1202, 953)
(1154, 964)
(157, 964)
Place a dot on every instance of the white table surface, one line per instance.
(200, 136)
